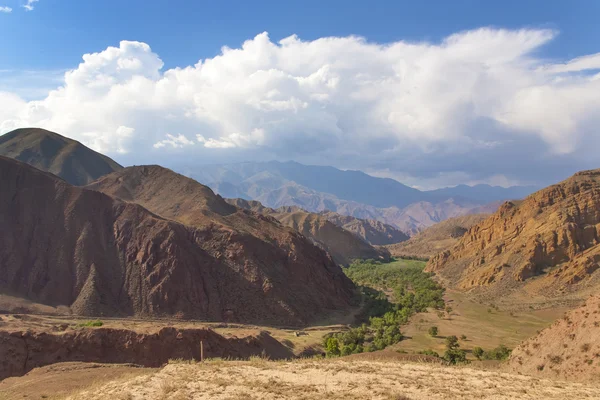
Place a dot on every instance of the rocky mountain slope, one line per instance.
(545, 246)
(64, 245)
(371, 231)
(437, 238)
(569, 349)
(343, 245)
(354, 193)
(56, 154)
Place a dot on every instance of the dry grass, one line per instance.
(483, 325)
(333, 379)
(61, 380)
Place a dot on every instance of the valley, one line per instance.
(141, 282)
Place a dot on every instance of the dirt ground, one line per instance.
(299, 341)
(331, 379)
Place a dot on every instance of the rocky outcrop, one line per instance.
(20, 352)
(547, 242)
(569, 349)
(64, 245)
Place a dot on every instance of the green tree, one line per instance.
(433, 331)
(455, 356)
(332, 347)
(478, 352)
(452, 342)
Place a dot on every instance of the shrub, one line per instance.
(452, 342)
(463, 337)
(478, 352)
(499, 353)
(433, 331)
(429, 352)
(455, 356)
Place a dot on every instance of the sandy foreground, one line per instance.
(332, 379)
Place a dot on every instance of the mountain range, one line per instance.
(354, 193)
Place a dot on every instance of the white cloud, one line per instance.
(4, 9)
(478, 95)
(177, 142)
(29, 5)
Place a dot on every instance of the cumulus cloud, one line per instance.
(4, 9)
(29, 6)
(177, 142)
(478, 105)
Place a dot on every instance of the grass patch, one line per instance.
(91, 323)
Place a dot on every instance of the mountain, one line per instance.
(353, 193)
(343, 245)
(371, 231)
(56, 154)
(66, 245)
(569, 349)
(484, 193)
(355, 186)
(543, 247)
(437, 238)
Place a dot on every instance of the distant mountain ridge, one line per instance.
(354, 193)
(343, 246)
(61, 156)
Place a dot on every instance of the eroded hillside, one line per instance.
(64, 245)
(544, 247)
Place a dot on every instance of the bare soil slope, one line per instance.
(569, 349)
(343, 245)
(56, 154)
(64, 245)
(21, 352)
(437, 238)
(544, 247)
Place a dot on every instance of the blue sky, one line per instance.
(432, 93)
(57, 32)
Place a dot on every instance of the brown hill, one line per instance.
(56, 154)
(343, 245)
(64, 245)
(544, 247)
(569, 349)
(437, 238)
(374, 232)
